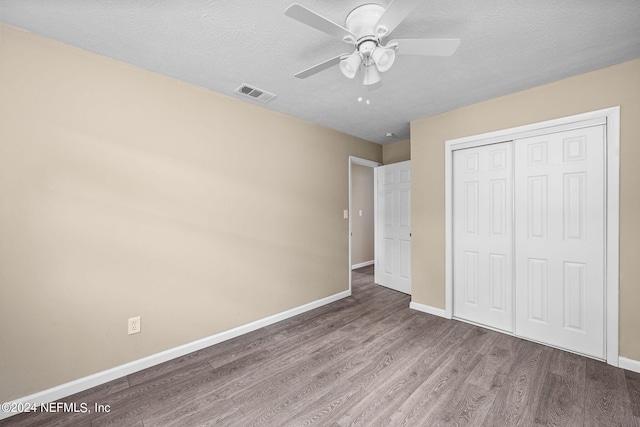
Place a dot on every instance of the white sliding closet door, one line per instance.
(559, 239)
(483, 234)
(529, 238)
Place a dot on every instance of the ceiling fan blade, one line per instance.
(394, 15)
(428, 47)
(312, 19)
(319, 67)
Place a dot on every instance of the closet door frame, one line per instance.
(610, 117)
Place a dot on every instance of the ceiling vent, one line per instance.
(255, 93)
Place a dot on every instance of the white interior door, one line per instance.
(483, 235)
(393, 234)
(559, 235)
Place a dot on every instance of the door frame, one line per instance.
(610, 117)
(369, 163)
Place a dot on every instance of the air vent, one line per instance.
(255, 93)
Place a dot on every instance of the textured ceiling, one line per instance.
(506, 46)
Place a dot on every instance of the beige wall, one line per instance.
(617, 85)
(362, 227)
(396, 152)
(126, 193)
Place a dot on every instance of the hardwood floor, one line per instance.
(367, 360)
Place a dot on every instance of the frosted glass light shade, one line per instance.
(383, 57)
(349, 65)
(371, 75)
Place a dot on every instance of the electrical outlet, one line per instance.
(134, 325)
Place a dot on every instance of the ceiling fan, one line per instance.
(365, 28)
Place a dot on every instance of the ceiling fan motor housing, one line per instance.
(367, 45)
(362, 20)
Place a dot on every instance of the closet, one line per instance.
(528, 223)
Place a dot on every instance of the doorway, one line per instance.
(391, 222)
(361, 213)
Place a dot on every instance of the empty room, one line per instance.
(408, 212)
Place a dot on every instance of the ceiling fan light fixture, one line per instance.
(364, 28)
(383, 57)
(349, 65)
(371, 75)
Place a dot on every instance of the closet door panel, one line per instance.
(559, 184)
(483, 286)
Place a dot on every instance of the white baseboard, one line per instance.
(76, 386)
(629, 364)
(427, 309)
(362, 264)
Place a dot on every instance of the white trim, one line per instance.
(629, 364)
(376, 222)
(374, 165)
(362, 264)
(364, 162)
(427, 309)
(448, 230)
(81, 384)
(535, 129)
(612, 263)
(610, 116)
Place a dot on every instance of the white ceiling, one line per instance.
(506, 46)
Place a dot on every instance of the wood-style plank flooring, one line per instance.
(367, 360)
